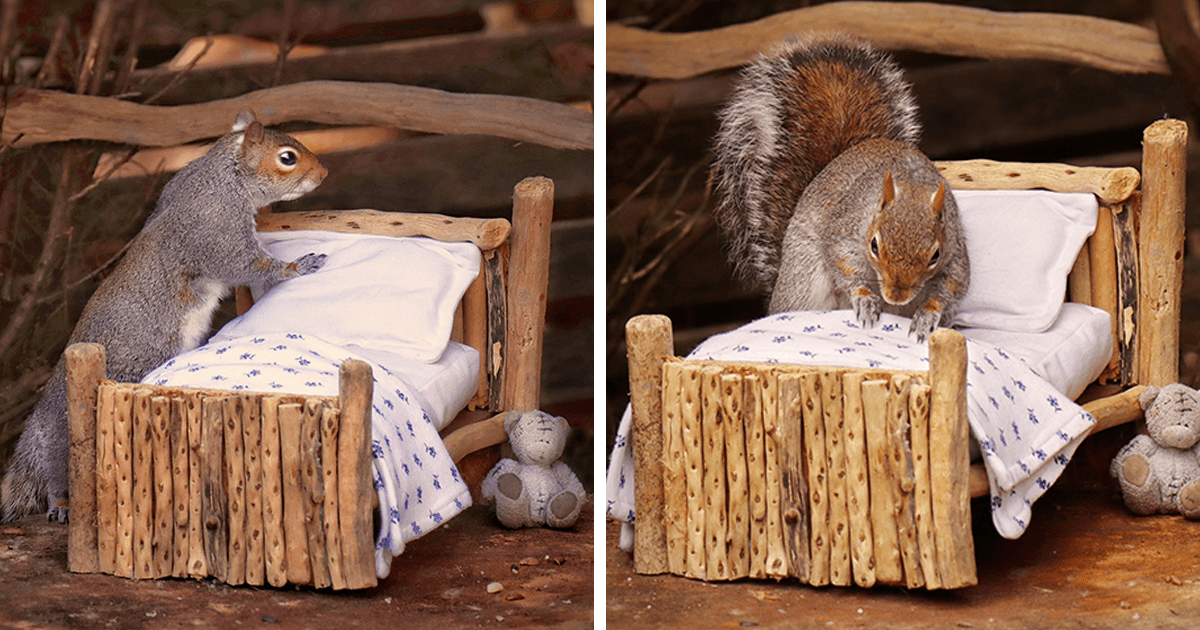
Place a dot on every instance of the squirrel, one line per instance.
(160, 298)
(823, 198)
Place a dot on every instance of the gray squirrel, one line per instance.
(823, 198)
(159, 300)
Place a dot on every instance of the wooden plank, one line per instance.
(533, 208)
(649, 338)
(252, 453)
(835, 451)
(356, 487)
(143, 486)
(858, 493)
(164, 488)
(299, 566)
(674, 469)
(756, 472)
(330, 419)
(274, 539)
(776, 564)
(902, 483)
(918, 416)
(888, 567)
(1164, 196)
(1103, 250)
(214, 501)
(123, 453)
(235, 491)
(737, 534)
(691, 413)
(180, 467)
(716, 516)
(789, 431)
(817, 476)
(949, 461)
(106, 480)
(312, 491)
(84, 371)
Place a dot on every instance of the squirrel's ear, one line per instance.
(244, 118)
(254, 133)
(939, 198)
(889, 189)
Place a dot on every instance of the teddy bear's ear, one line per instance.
(510, 420)
(562, 422)
(1148, 396)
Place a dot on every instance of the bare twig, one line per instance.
(129, 60)
(104, 176)
(49, 71)
(182, 74)
(285, 42)
(92, 64)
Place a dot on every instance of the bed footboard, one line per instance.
(829, 475)
(242, 487)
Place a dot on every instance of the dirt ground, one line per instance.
(440, 581)
(1085, 562)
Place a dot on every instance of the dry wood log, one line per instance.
(197, 559)
(692, 438)
(840, 573)
(312, 491)
(356, 488)
(674, 468)
(902, 480)
(40, 116)
(273, 532)
(949, 460)
(252, 454)
(777, 557)
(1161, 243)
(164, 487)
(1110, 185)
(1127, 290)
(214, 501)
(1111, 45)
(486, 233)
(1079, 281)
(143, 486)
(475, 327)
(106, 480)
(756, 472)
(716, 516)
(789, 440)
(123, 454)
(85, 370)
(299, 566)
(858, 492)
(737, 534)
(235, 489)
(533, 208)
(888, 566)
(475, 436)
(817, 476)
(1103, 250)
(330, 419)
(180, 466)
(918, 416)
(649, 338)
(495, 266)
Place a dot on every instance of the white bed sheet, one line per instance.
(1027, 428)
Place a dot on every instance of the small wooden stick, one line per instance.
(1163, 211)
(858, 493)
(123, 454)
(1103, 250)
(777, 555)
(1079, 281)
(356, 487)
(918, 416)
(299, 567)
(902, 482)
(533, 207)
(252, 452)
(756, 472)
(333, 535)
(143, 487)
(674, 474)
(312, 490)
(85, 370)
(650, 343)
(789, 432)
(486, 233)
(180, 465)
(197, 564)
(214, 501)
(106, 479)
(737, 536)
(164, 488)
(273, 530)
(235, 488)
(888, 568)
(835, 452)
(1110, 185)
(692, 436)
(817, 475)
(716, 522)
(949, 459)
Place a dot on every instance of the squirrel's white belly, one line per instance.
(197, 319)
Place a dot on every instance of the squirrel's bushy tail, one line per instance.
(20, 493)
(793, 111)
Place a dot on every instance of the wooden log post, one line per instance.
(533, 209)
(164, 488)
(356, 488)
(312, 490)
(650, 343)
(180, 465)
(858, 492)
(85, 370)
(106, 479)
(235, 489)
(274, 540)
(888, 566)
(789, 440)
(918, 416)
(252, 453)
(737, 535)
(197, 564)
(674, 469)
(756, 472)
(716, 514)
(776, 563)
(1105, 294)
(333, 535)
(123, 455)
(835, 452)
(692, 436)
(902, 479)
(949, 459)
(299, 567)
(817, 475)
(1164, 170)
(213, 500)
(143, 486)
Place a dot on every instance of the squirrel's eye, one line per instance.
(288, 157)
(875, 245)
(933, 260)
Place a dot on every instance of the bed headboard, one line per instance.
(502, 313)
(1132, 266)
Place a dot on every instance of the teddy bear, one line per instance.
(1160, 472)
(535, 489)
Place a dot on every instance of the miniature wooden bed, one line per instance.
(774, 471)
(276, 489)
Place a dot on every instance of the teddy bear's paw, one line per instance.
(510, 485)
(564, 509)
(1135, 469)
(1189, 500)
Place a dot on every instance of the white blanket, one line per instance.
(1027, 430)
(418, 484)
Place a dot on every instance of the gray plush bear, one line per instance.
(1160, 472)
(536, 489)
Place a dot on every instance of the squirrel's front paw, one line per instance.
(308, 263)
(923, 323)
(866, 307)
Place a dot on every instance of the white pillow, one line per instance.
(394, 294)
(1069, 355)
(1022, 244)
